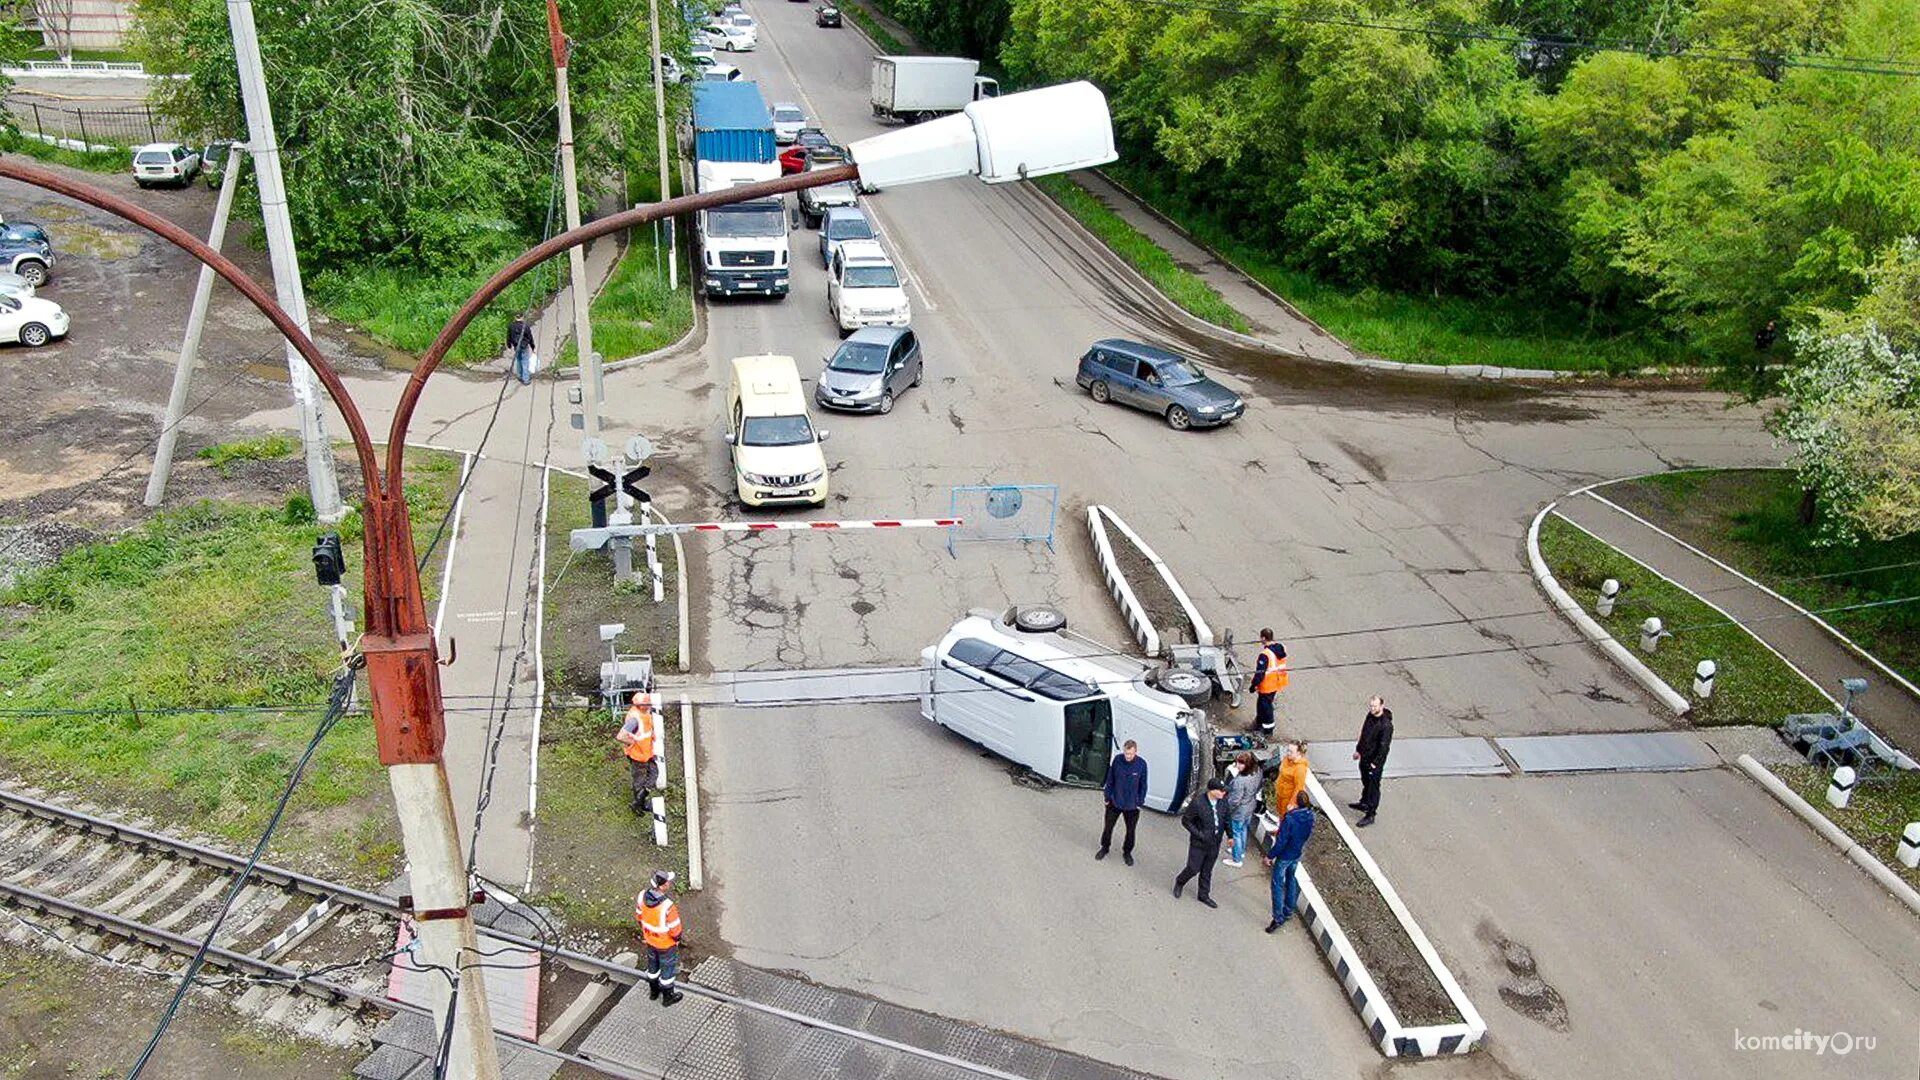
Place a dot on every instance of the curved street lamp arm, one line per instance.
(180, 238)
(513, 271)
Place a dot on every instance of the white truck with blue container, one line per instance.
(743, 247)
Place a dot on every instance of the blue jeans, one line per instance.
(1237, 850)
(523, 362)
(1286, 889)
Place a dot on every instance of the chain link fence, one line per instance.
(67, 125)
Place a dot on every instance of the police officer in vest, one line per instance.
(659, 919)
(1269, 678)
(636, 734)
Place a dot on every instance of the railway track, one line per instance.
(304, 954)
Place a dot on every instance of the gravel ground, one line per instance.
(1169, 618)
(1397, 967)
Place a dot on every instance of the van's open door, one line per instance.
(1089, 742)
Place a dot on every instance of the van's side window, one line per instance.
(973, 652)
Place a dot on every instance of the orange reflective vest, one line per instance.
(1275, 677)
(659, 923)
(641, 717)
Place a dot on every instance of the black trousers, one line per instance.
(1370, 785)
(1114, 814)
(1200, 860)
(646, 777)
(1263, 711)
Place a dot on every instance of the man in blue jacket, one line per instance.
(1289, 841)
(1126, 793)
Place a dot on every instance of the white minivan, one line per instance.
(776, 450)
(1023, 686)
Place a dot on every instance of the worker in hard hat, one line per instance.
(637, 735)
(659, 919)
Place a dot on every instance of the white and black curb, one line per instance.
(1130, 606)
(1835, 835)
(1393, 1038)
(1571, 608)
(1202, 633)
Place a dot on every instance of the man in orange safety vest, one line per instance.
(1269, 678)
(637, 734)
(659, 919)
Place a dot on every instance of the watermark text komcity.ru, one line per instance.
(1839, 1043)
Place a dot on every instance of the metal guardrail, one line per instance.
(131, 126)
(111, 67)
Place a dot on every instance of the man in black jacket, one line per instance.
(1376, 738)
(1204, 820)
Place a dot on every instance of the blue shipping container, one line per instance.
(731, 123)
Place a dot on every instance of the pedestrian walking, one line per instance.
(520, 344)
(637, 735)
(1126, 791)
(1376, 738)
(1291, 780)
(1243, 793)
(660, 931)
(1289, 843)
(1205, 821)
(1764, 338)
(1269, 678)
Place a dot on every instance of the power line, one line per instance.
(336, 705)
(1854, 64)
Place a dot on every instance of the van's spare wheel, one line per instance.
(1038, 619)
(1188, 684)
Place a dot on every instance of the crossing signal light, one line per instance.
(329, 563)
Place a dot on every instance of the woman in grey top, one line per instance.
(1243, 792)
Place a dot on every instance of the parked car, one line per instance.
(826, 15)
(732, 37)
(1158, 381)
(213, 162)
(870, 369)
(27, 231)
(788, 119)
(31, 259)
(31, 320)
(720, 71)
(165, 163)
(863, 288)
(843, 223)
(12, 284)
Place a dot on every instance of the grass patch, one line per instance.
(405, 307)
(590, 853)
(1879, 811)
(1754, 686)
(1750, 518)
(1180, 285)
(635, 313)
(137, 641)
(116, 160)
(109, 56)
(267, 448)
(883, 38)
(1419, 329)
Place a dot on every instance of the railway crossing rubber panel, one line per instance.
(703, 1039)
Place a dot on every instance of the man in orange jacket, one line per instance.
(1269, 678)
(659, 919)
(637, 736)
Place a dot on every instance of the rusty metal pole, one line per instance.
(403, 664)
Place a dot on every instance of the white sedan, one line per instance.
(30, 320)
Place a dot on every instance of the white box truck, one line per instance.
(915, 88)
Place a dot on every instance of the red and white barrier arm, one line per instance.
(592, 539)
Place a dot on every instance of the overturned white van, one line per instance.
(1025, 687)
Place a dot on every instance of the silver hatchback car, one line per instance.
(870, 369)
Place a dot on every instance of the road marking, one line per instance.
(453, 544)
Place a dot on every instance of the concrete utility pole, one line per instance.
(660, 126)
(196, 322)
(265, 145)
(576, 256)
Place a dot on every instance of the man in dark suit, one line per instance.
(1376, 738)
(1205, 819)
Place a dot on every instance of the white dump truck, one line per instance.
(916, 88)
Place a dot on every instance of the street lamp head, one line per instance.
(1014, 137)
(1854, 686)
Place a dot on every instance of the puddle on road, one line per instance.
(269, 372)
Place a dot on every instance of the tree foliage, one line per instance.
(1684, 199)
(416, 133)
(1852, 407)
